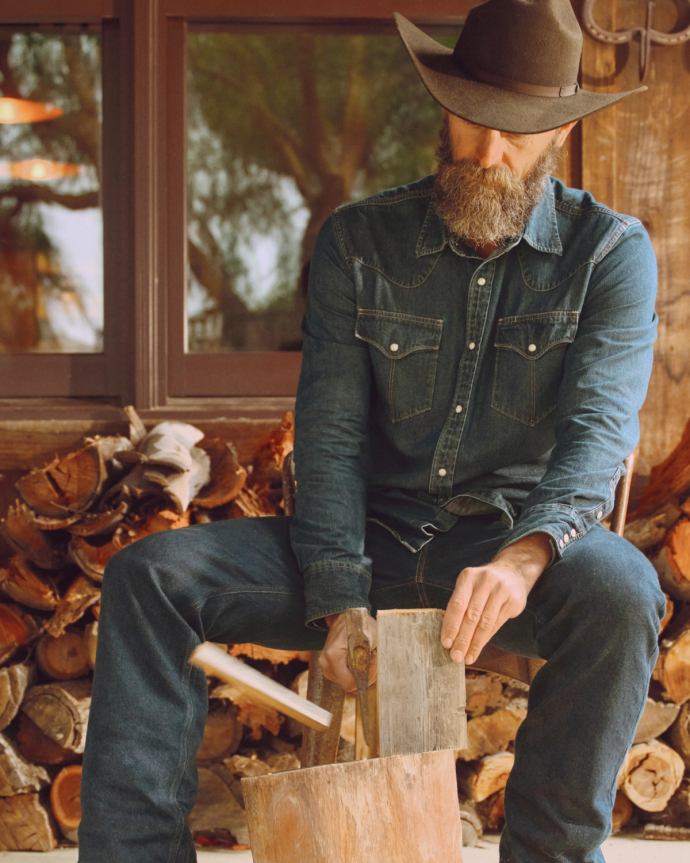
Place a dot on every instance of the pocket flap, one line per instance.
(397, 335)
(533, 335)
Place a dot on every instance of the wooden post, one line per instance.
(402, 809)
(421, 691)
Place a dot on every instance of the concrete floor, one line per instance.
(620, 849)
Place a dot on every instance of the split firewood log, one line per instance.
(673, 562)
(622, 812)
(218, 808)
(169, 443)
(483, 693)
(645, 533)
(96, 610)
(61, 711)
(91, 642)
(666, 480)
(271, 450)
(23, 583)
(472, 827)
(277, 657)
(137, 429)
(679, 734)
(250, 504)
(243, 766)
(16, 628)
(90, 557)
(180, 488)
(26, 824)
(68, 484)
(14, 681)
(40, 547)
(658, 716)
(255, 716)
(38, 748)
(677, 811)
(64, 657)
(669, 614)
(79, 596)
(227, 474)
(651, 774)
(666, 832)
(103, 522)
(672, 669)
(491, 733)
(65, 801)
(17, 775)
(222, 733)
(44, 522)
(480, 779)
(164, 519)
(492, 811)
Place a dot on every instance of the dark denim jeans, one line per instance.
(594, 615)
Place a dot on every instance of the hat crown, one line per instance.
(535, 42)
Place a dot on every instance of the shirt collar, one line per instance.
(541, 231)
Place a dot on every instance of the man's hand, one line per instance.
(486, 596)
(333, 658)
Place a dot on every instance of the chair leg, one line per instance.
(321, 747)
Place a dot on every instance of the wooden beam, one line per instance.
(418, 10)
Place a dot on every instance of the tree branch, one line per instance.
(32, 194)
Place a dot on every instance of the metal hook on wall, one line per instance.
(648, 36)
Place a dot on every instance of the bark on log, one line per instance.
(679, 734)
(91, 642)
(672, 669)
(227, 474)
(103, 523)
(38, 546)
(14, 681)
(482, 692)
(480, 779)
(17, 775)
(645, 533)
(38, 748)
(658, 716)
(491, 733)
(665, 832)
(222, 734)
(673, 562)
(651, 774)
(472, 827)
(386, 809)
(677, 812)
(425, 711)
(79, 597)
(64, 657)
(67, 484)
(91, 558)
(622, 812)
(16, 629)
(26, 824)
(65, 801)
(271, 450)
(670, 478)
(22, 583)
(669, 614)
(61, 711)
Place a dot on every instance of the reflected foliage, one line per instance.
(283, 129)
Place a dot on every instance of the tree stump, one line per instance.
(61, 711)
(424, 711)
(386, 810)
(26, 824)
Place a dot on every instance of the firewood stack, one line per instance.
(75, 513)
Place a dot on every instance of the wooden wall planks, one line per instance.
(636, 159)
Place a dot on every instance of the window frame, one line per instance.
(144, 183)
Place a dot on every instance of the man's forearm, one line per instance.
(529, 556)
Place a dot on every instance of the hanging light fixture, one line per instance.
(25, 111)
(38, 170)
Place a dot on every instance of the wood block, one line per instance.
(402, 809)
(421, 691)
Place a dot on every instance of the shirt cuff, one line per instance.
(332, 586)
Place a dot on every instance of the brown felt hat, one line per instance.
(514, 67)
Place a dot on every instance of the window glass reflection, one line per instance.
(51, 270)
(283, 128)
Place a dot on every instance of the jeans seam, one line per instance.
(206, 599)
(419, 577)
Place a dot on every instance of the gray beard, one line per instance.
(487, 205)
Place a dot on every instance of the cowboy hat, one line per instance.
(514, 67)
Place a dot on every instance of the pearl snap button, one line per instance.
(471, 346)
(394, 347)
(532, 348)
(458, 409)
(599, 514)
(481, 281)
(562, 544)
(573, 533)
(442, 472)
(566, 537)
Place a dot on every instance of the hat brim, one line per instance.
(489, 105)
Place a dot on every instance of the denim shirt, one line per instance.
(436, 383)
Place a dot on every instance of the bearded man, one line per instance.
(476, 348)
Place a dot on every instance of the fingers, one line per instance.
(334, 656)
(491, 620)
(455, 611)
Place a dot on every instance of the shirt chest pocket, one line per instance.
(404, 356)
(530, 355)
